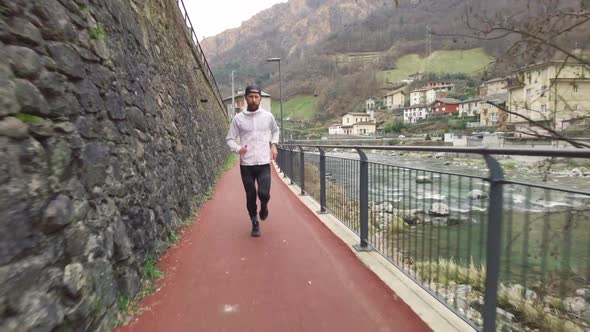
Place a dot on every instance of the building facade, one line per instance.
(349, 119)
(491, 113)
(553, 92)
(413, 114)
(430, 92)
(364, 128)
(370, 104)
(418, 97)
(335, 129)
(445, 106)
(395, 99)
(469, 107)
(355, 124)
(493, 86)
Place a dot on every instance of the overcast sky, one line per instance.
(211, 17)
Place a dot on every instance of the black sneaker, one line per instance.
(263, 212)
(255, 230)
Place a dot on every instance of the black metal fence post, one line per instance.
(283, 162)
(278, 160)
(322, 181)
(291, 161)
(493, 244)
(302, 170)
(364, 201)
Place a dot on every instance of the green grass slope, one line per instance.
(467, 62)
(300, 107)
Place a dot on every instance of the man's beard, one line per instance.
(253, 107)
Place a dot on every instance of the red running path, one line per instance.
(298, 276)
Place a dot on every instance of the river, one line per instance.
(546, 227)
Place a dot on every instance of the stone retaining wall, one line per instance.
(109, 136)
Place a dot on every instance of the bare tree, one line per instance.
(540, 30)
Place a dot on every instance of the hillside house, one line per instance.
(441, 86)
(351, 118)
(555, 92)
(469, 107)
(355, 124)
(494, 91)
(416, 112)
(445, 106)
(430, 96)
(363, 128)
(335, 129)
(360, 128)
(418, 97)
(430, 92)
(493, 87)
(395, 99)
(370, 104)
(491, 115)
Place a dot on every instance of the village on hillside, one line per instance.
(550, 95)
(538, 101)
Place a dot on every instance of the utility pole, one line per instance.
(280, 96)
(233, 102)
(428, 46)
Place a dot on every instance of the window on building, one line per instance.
(543, 108)
(347, 120)
(529, 92)
(575, 88)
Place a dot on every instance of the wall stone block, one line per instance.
(13, 128)
(52, 84)
(25, 62)
(8, 101)
(24, 31)
(67, 60)
(30, 98)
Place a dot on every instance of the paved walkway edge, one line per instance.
(431, 311)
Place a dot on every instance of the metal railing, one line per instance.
(499, 253)
(199, 54)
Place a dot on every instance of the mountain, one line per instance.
(287, 30)
(308, 34)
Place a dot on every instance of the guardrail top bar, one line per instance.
(569, 153)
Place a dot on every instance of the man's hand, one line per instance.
(274, 152)
(243, 150)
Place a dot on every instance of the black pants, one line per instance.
(261, 175)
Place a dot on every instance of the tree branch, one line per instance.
(585, 17)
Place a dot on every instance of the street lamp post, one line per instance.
(280, 95)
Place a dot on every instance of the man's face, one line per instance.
(253, 100)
